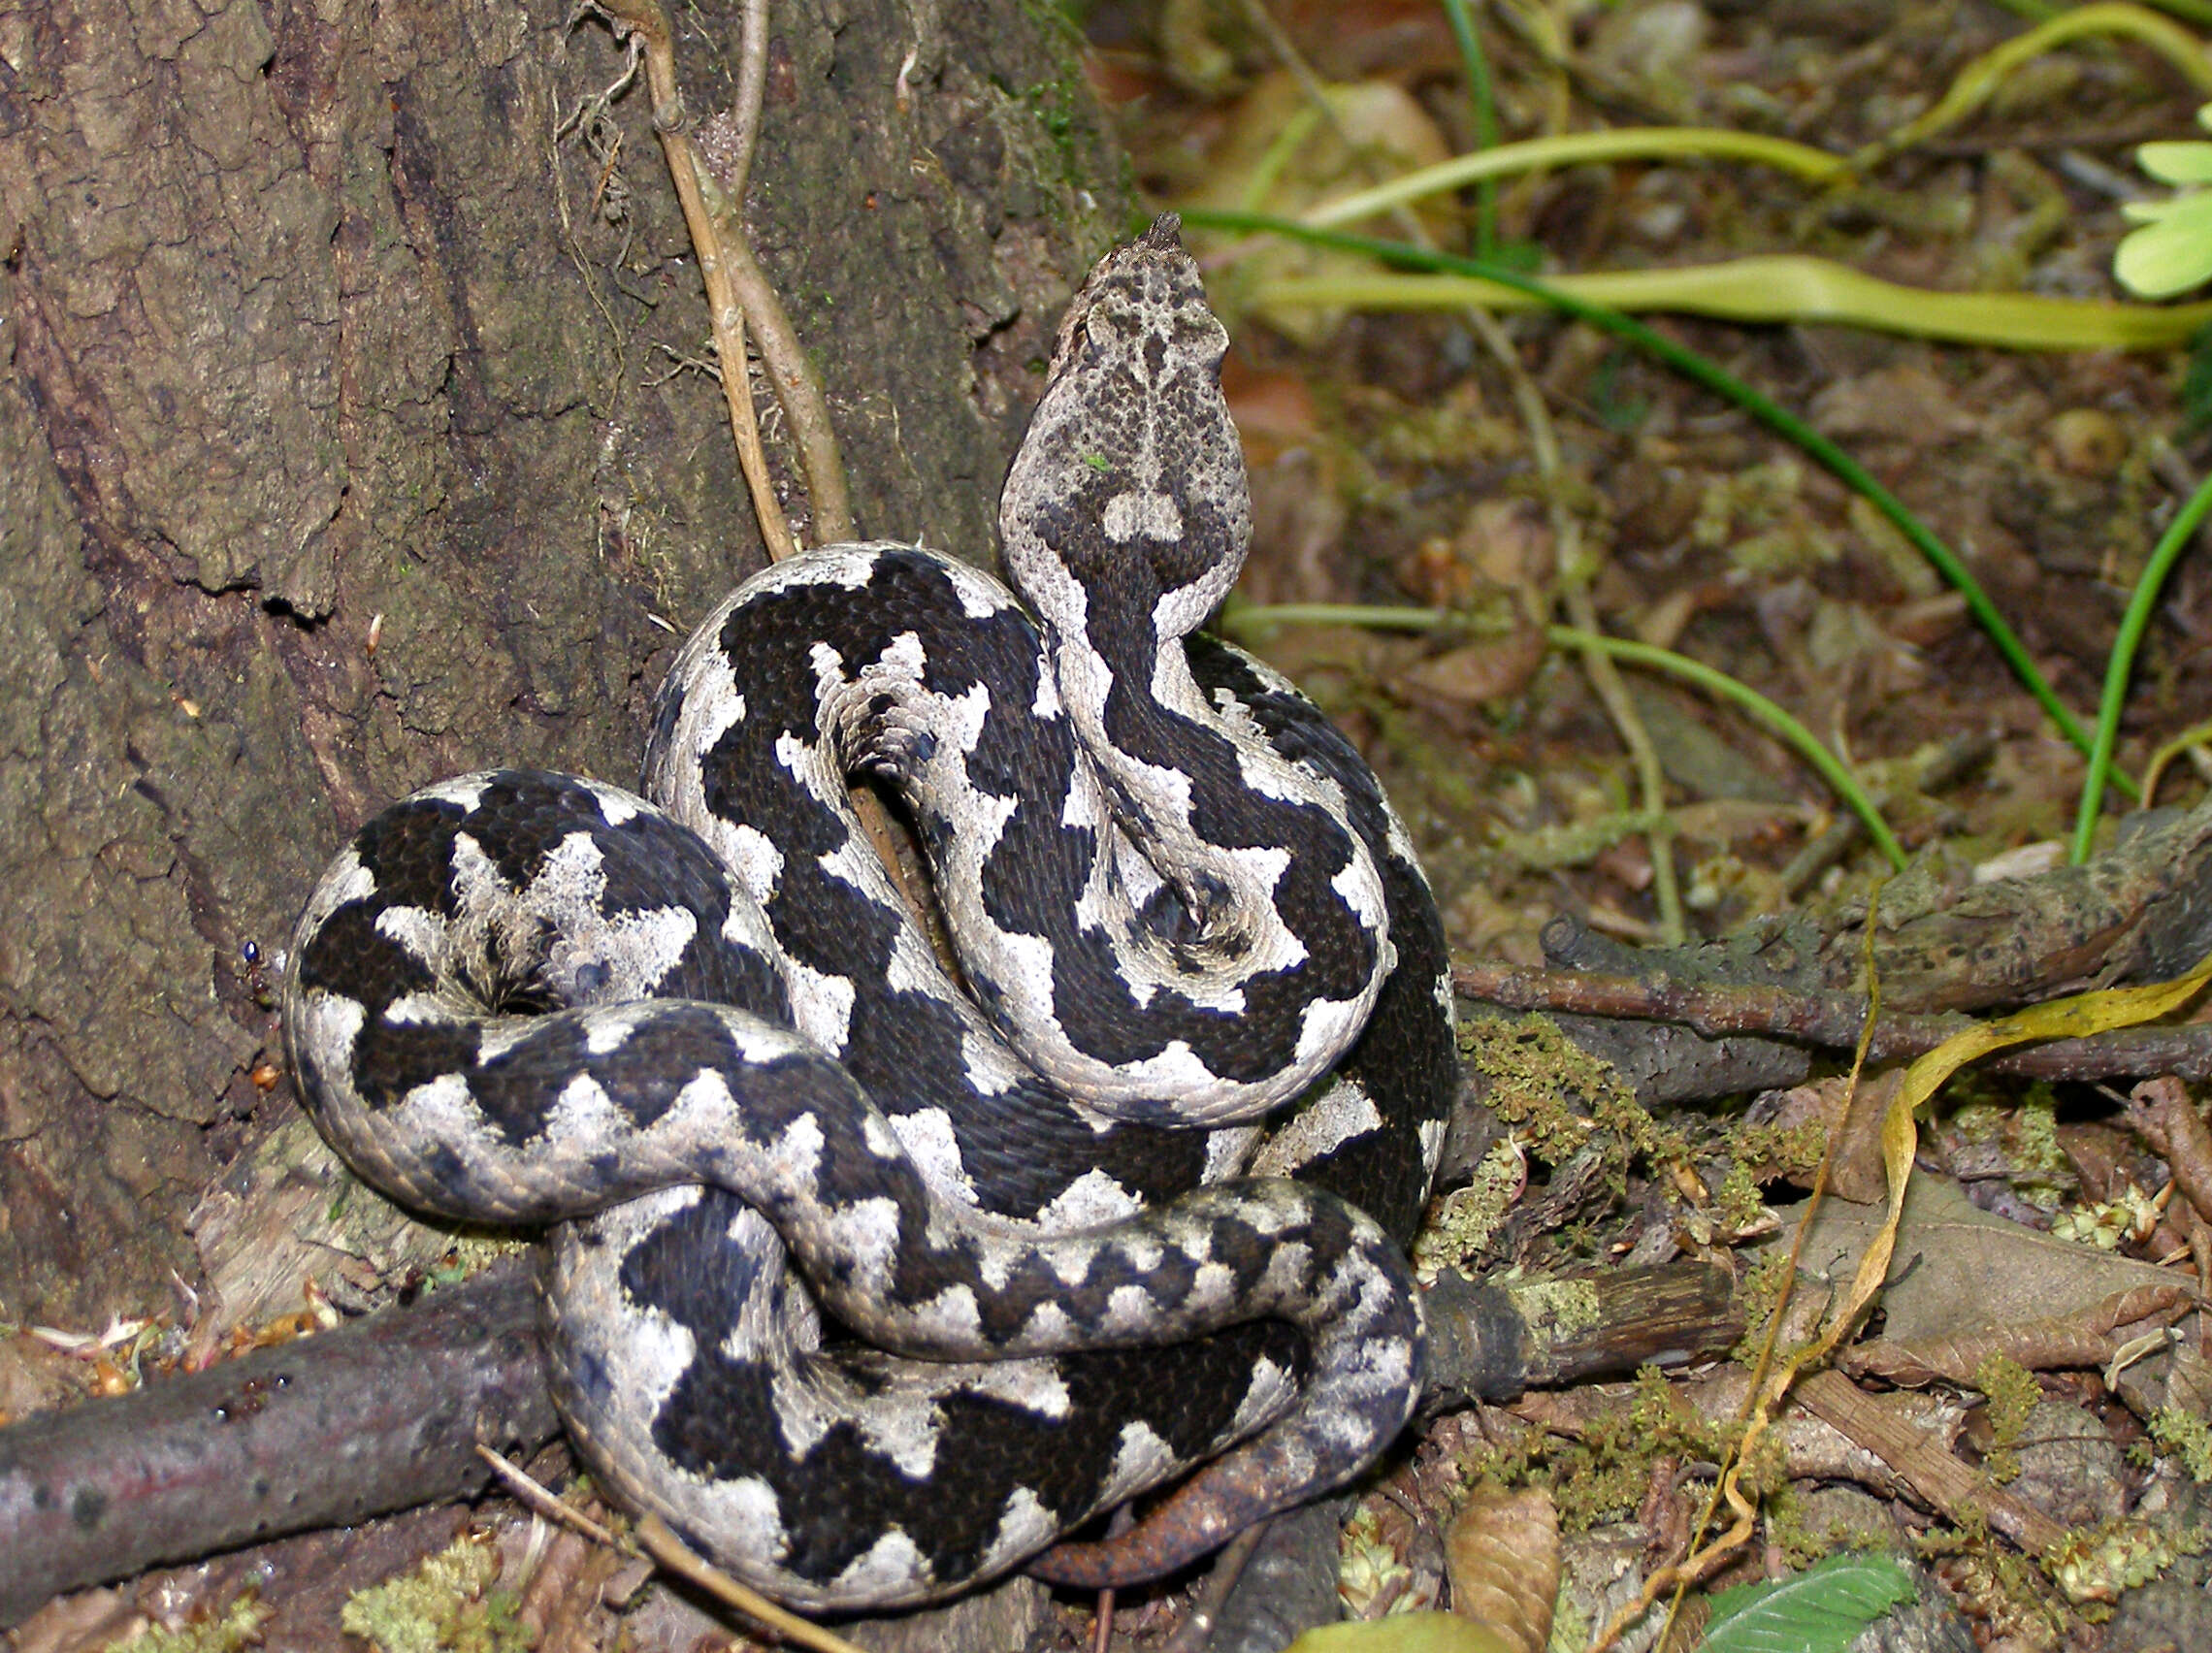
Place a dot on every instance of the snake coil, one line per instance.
(871, 1288)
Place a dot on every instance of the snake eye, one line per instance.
(1199, 335)
(1099, 328)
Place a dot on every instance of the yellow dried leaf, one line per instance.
(1280, 155)
(2071, 1018)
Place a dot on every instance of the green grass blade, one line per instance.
(1249, 623)
(2122, 664)
(1477, 68)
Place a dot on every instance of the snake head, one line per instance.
(1129, 490)
(1143, 298)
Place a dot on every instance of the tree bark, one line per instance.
(353, 433)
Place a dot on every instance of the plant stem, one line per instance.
(1250, 620)
(2121, 665)
(1582, 148)
(1799, 739)
(1722, 383)
(1784, 287)
(1477, 68)
(1978, 82)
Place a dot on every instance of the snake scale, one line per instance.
(871, 1287)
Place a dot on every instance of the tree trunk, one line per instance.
(356, 434)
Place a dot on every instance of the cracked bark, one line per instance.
(347, 444)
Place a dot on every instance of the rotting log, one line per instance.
(378, 1415)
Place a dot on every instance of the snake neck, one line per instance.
(1125, 520)
(1128, 494)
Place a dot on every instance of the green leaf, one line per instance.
(1820, 1610)
(2172, 252)
(1403, 1632)
(2176, 163)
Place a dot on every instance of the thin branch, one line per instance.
(645, 22)
(672, 1555)
(1197, 1627)
(1831, 1020)
(721, 188)
(1574, 582)
(737, 288)
(792, 375)
(752, 83)
(540, 1499)
(671, 1551)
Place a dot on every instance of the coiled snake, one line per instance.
(871, 1287)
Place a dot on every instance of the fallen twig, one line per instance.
(518, 1480)
(1934, 1473)
(1195, 1633)
(1827, 1021)
(672, 1552)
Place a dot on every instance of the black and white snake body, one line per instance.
(871, 1287)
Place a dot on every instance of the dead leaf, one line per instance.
(1509, 544)
(2163, 1110)
(1906, 404)
(77, 1624)
(1957, 1269)
(1853, 1124)
(2086, 441)
(2088, 1339)
(1469, 675)
(1274, 410)
(1282, 154)
(2058, 1019)
(1502, 1556)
